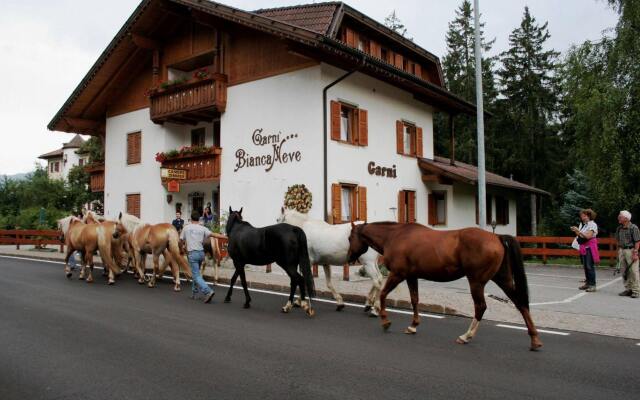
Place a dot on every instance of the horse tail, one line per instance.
(305, 263)
(513, 260)
(105, 243)
(174, 248)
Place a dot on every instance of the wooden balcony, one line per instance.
(198, 167)
(96, 176)
(191, 102)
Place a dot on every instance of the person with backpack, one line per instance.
(628, 237)
(588, 246)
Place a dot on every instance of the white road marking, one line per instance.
(552, 286)
(575, 297)
(389, 309)
(524, 328)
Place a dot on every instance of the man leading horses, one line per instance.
(194, 235)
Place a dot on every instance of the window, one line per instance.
(406, 206)
(349, 124)
(349, 203)
(437, 208)
(502, 210)
(133, 204)
(385, 54)
(197, 137)
(134, 148)
(56, 166)
(51, 167)
(408, 139)
(81, 162)
(363, 44)
(216, 133)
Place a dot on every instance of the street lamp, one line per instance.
(482, 190)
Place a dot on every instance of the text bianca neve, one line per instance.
(278, 155)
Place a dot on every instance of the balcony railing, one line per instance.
(96, 176)
(191, 102)
(197, 167)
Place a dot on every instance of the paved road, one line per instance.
(65, 339)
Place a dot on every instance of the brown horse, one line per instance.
(87, 239)
(156, 239)
(413, 251)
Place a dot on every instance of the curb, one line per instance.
(275, 287)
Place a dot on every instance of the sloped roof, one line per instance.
(52, 154)
(74, 143)
(315, 17)
(469, 174)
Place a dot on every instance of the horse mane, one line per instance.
(130, 222)
(65, 223)
(92, 216)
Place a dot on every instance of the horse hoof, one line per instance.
(340, 307)
(535, 345)
(69, 275)
(410, 330)
(177, 289)
(285, 309)
(246, 305)
(386, 325)
(296, 303)
(227, 300)
(367, 308)
(460, 340)
(311, 312)
(111, 282)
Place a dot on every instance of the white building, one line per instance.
(61, 161)
(246, 90)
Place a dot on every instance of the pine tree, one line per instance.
(528, 106)
(459, 74)
(393, 22)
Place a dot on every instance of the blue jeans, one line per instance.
(589, 268)
(197, 284)
(72, 260)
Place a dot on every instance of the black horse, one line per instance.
(283, 244)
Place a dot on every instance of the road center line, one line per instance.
(524, 328)
(389, 309)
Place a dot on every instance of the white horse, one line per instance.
(328, 245)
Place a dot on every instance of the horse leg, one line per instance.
(373, 303)
(294, 282)
(175, 271)
(232, 282)
(413, 291)
(67, 269)
(141, 266)
(156, 270)
(243, 279)
(508, 288)
(304, 303)
(89, 262)
(480, 305)
(83, 265)
(392, 281)
(334, 292)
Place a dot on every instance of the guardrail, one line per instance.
(32, 236)
(560, 246)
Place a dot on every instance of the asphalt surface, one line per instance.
(66, 339)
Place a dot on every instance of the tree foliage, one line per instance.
(393, 22)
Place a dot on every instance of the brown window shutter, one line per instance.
(419, 142)
(336, 203)
(418, 70)
(413, 146)
(411, 200)
(399, 139)
(351, 37)
(363, 127)
(376, 51)
(398, 60)
(433, 216)
(362, 203)
(401, 208)
(133, 204)
(134, 148)
(335, 120)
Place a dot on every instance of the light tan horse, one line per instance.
(88, 239)
(155, 239)
(110, 244)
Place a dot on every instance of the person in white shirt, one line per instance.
(194, 235)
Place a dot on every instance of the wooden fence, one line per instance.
(553, 246)
(31, 236)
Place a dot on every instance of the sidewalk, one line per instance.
(555, 301)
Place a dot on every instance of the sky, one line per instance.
(46, 48)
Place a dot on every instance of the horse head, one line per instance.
(357, 244)
(120, 228)
(234, 217)
(291, 216)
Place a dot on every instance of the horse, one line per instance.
(117, 241)
(413, 251)
(87, 239)
(329, 245)
(155, 239)
(283, 244)
(211, 249)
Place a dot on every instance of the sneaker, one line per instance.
(207, 298)
(625, 293)
(634, 295)
(590, 289)
(584, 287)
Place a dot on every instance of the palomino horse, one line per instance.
(87, 239)
(211, 249)
(413, 251)
(283, 244)
(153, 239)
(329, 245)
(117, 239)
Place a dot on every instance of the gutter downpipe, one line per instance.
(324, 139)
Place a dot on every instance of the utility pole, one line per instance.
(482, 188)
